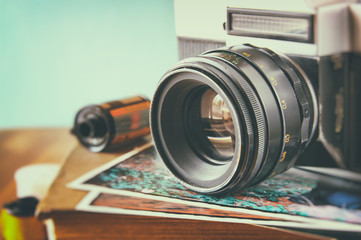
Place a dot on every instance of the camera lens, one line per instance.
(232, 117)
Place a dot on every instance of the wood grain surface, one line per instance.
(21, 147)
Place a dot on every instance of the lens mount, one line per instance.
(230, 118)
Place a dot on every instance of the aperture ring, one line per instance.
(299, 91)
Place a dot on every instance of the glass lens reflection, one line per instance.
(217, 125)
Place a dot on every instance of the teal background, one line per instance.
(58, 56)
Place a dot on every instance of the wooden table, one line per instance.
(20, 147)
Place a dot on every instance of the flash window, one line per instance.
(289, 26)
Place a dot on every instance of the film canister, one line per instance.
(111, 124)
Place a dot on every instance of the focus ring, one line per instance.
(299, 91)
(259, 68)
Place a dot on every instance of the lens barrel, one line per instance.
(232, 117)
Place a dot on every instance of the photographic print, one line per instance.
(296, 195)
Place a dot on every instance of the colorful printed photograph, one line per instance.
(296, 192)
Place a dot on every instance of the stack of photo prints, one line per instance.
(138, 183)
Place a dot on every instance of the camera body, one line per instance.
(323, 38)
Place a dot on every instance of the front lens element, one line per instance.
(211, 126)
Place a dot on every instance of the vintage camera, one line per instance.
(285, 85)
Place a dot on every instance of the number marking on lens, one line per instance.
(236, 61)
(283, 156)
(246, 54)
(274, 81)
(287, 138)
(284, 104)
(232, 58)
